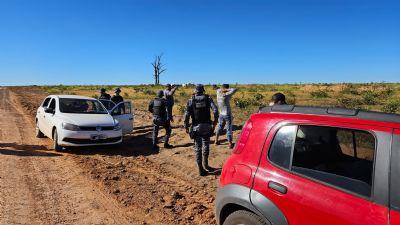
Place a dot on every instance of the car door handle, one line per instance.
(277, 187)
(131, 118)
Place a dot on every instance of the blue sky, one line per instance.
(204, 41)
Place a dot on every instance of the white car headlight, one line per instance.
(117, 126)
(68, 126)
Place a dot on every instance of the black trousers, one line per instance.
(168, 130)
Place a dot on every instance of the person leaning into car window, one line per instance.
(278, 99)
(198, 109)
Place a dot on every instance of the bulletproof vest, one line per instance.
(159, 107)
(201, 109)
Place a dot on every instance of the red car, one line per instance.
(313, 166)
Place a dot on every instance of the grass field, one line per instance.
(371, 96)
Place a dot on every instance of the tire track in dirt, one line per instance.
(146, 187)
(41, 187)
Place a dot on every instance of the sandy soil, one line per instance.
(128, 184)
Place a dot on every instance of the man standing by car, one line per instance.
(169, 96)
(198, 109)
(117, 98)
(104, 95)
(224, 96)
(161, 117)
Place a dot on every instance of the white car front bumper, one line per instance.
(89, 138)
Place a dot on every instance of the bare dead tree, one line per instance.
(158, 68)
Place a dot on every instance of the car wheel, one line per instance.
(38, 133)
(243, 217)
(56, 147)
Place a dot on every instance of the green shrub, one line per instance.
(242, 103)
(348, 102)
(349, 89)
(319, 94)
(258, 97)
(391, 106)
(370, 97)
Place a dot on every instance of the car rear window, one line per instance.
(335, 156)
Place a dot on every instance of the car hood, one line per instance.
(87, 119)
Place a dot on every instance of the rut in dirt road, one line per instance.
(43, 187)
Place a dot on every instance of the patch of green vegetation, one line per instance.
(319, 94)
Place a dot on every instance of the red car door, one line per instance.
(395, 180)
(310, 197)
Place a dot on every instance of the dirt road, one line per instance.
(42, 187)
(103, 185)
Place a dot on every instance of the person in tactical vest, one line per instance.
(161, 117)
(117, 98)
(104, 95)
(198, 109)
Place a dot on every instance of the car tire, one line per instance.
(244, 217)
(56, 146)
(38, 132)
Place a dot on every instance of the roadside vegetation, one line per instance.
(370, 96)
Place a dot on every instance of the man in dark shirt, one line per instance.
(198, 109)
(117, 98)
(161, 117)
(104, 95)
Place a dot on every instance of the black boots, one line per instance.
(206, 166)
(202, 171)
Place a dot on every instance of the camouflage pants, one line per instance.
(168, 131)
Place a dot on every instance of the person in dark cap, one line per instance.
(169, 96)
(117, 98)
(104, 95)
(161, 117)
(198, 110)
(278, 99)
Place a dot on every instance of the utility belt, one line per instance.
(159, 121)
(201, 130)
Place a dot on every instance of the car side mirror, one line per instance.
(49, 110)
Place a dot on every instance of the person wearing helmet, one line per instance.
(161, 117)
(224, 96)
(104, 95)
(169, 96)
(278, 99)
(198, 110)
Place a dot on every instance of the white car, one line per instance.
(72, 120)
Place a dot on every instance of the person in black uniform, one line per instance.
(198, 109)
(104, 95)
(117, 98)
(161, 117)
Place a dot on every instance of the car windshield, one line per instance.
(87, 106)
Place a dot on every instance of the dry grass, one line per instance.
(371, 96)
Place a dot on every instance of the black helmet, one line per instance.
(200, 88)
(102, 90)
(160, 94)
(117, 90)
(226, 86)
(279, 98)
